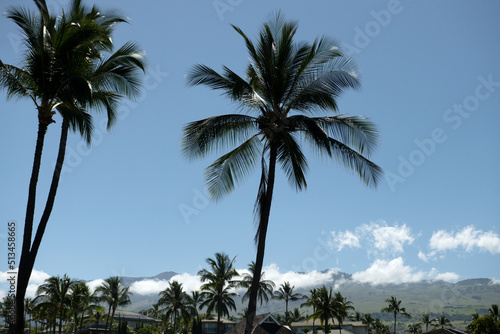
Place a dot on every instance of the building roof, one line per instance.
(445, 331)
(133, 316)
(262, 324)
(331, 322)
(222, 321)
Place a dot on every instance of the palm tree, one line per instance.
(368, 320)
(194, 302)
(56, 291)
(285, 292)
(415, 328)
(345, 306)
(426, 320)
(494, 311)
(394, 307)
(218, 284)
(327, 307)
(82, 302)
(295, 316)
(64, 71)
(8, 303)
(115, 294)
(380, 327)
(285, 83)
(312, 301)
(175, 300)
(266, 287)
(441, 322)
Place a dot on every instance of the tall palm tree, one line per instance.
(368, 320)
(175, 301)
(442, 322)
(218, 284)
(285, 292)
(65, 70)
(194, 302)
(415, 328)
(345, 306)
(82, 302)
(494, 311)
(312, 301)
(56, 290)
(266, 287)
(426, 320)
(327, 307)
(286, 82)
(394, 307)
(115, 294)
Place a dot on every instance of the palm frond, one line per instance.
(16, 81)
(232, 167)
(216, 133)
(368, 171)
(292, 160)
(354, 131)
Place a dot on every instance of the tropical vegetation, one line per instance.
(69, 68)
(285, 84)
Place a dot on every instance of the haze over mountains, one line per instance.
(458, 300)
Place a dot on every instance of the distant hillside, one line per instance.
(457, 300)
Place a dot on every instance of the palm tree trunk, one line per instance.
(394, 323)
(107, 319)
(24, 271)
(261, 243)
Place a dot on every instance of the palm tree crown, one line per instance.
(115, 294)
(394, 307)
(286, 83)
(285, 292)
(218, 285)
(175, 300)
(266, 287)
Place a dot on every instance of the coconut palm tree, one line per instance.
(286, 83)
(345, 306)
(218, 284)
(394, 307)
(368, 320)
(415, 328)
(426, 320)
(115, 294)
(441, 322)
(312, 301)
(194, 302)
(285, 292)
(327, 307)
(56, 291)
(494, 311)
(266, 287)
(82, 302)
(65, 70)
(175, 302)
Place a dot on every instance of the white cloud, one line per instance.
(495, 281)
(37, 277)
(344, 239)
(468, 238)
(383, 272)
(423, 257)
(148, 287)
(389, 238)
(94, 284)
(447, 277)
(298, 280)
(395, 271)
(189, 282)
(379, 236)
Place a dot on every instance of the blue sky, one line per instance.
(132, 205)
